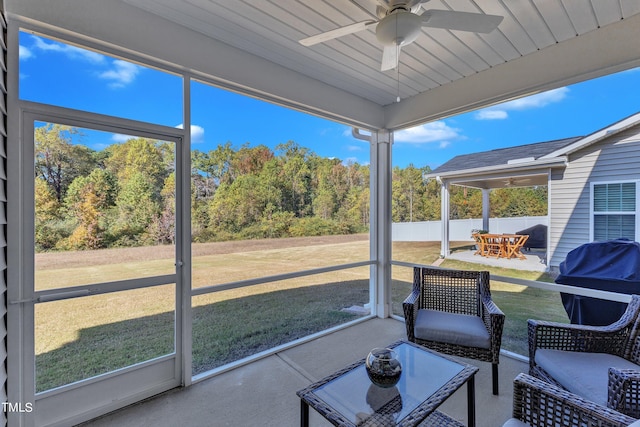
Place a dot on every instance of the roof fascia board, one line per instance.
(590, 55)
(597, 136)
(122, 27)
(485, 170)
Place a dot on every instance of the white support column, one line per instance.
(550, 195)
(444, 218)
(380, 222)
(486, 208)
(184, 324)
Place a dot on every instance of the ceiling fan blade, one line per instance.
(462, 21)
(390, 57)
(338, 32)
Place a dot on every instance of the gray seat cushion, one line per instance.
(460, 329)
(585, 374)
(513, 422)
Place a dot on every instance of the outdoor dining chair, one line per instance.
(451, 311)
(481, 244)
(537, 403)
(599, 363)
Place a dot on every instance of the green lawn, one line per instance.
(83, 337)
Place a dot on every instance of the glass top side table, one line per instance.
(349, 398)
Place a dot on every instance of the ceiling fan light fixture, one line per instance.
(399, 28)
(400, 24)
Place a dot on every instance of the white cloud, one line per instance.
(119, 137)
(197, 133)
(539, 100)
(68, 50)
(24, 52)
(354, 148)
(491, 114)
(121, 74)
(438, 132)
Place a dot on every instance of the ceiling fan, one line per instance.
(400, 23)
(517, 182)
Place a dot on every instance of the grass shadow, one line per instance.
(223, 332)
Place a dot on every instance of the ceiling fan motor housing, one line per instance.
(399, 28)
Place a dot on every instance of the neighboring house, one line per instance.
(593, 184)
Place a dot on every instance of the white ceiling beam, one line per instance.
(609, 49)
(120, 26)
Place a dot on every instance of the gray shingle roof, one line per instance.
(501, 156)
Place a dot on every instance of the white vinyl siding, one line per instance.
(614, 159)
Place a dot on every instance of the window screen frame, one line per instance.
(630, 211)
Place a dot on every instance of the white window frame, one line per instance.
(592, 212)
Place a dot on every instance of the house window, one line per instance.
(614, 210)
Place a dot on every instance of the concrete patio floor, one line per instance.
(534, 260)
(263, 393)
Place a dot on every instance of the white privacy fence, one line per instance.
(460, 229)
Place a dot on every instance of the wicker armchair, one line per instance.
(599, 363)
(451, 311)
(537, 403)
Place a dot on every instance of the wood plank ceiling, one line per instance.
(271, 29)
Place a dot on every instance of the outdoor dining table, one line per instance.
(500, 245)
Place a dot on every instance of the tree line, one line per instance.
(124, 195)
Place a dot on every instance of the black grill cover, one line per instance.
(613, 265)
(537, 236)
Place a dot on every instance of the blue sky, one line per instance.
(51, 72)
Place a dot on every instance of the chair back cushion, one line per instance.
(455, 291)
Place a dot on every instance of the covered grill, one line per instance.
(613, 265)
(537, 236)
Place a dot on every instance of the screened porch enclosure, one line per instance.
(188, 296)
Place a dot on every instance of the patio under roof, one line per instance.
(526, 165)
(252, 47)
